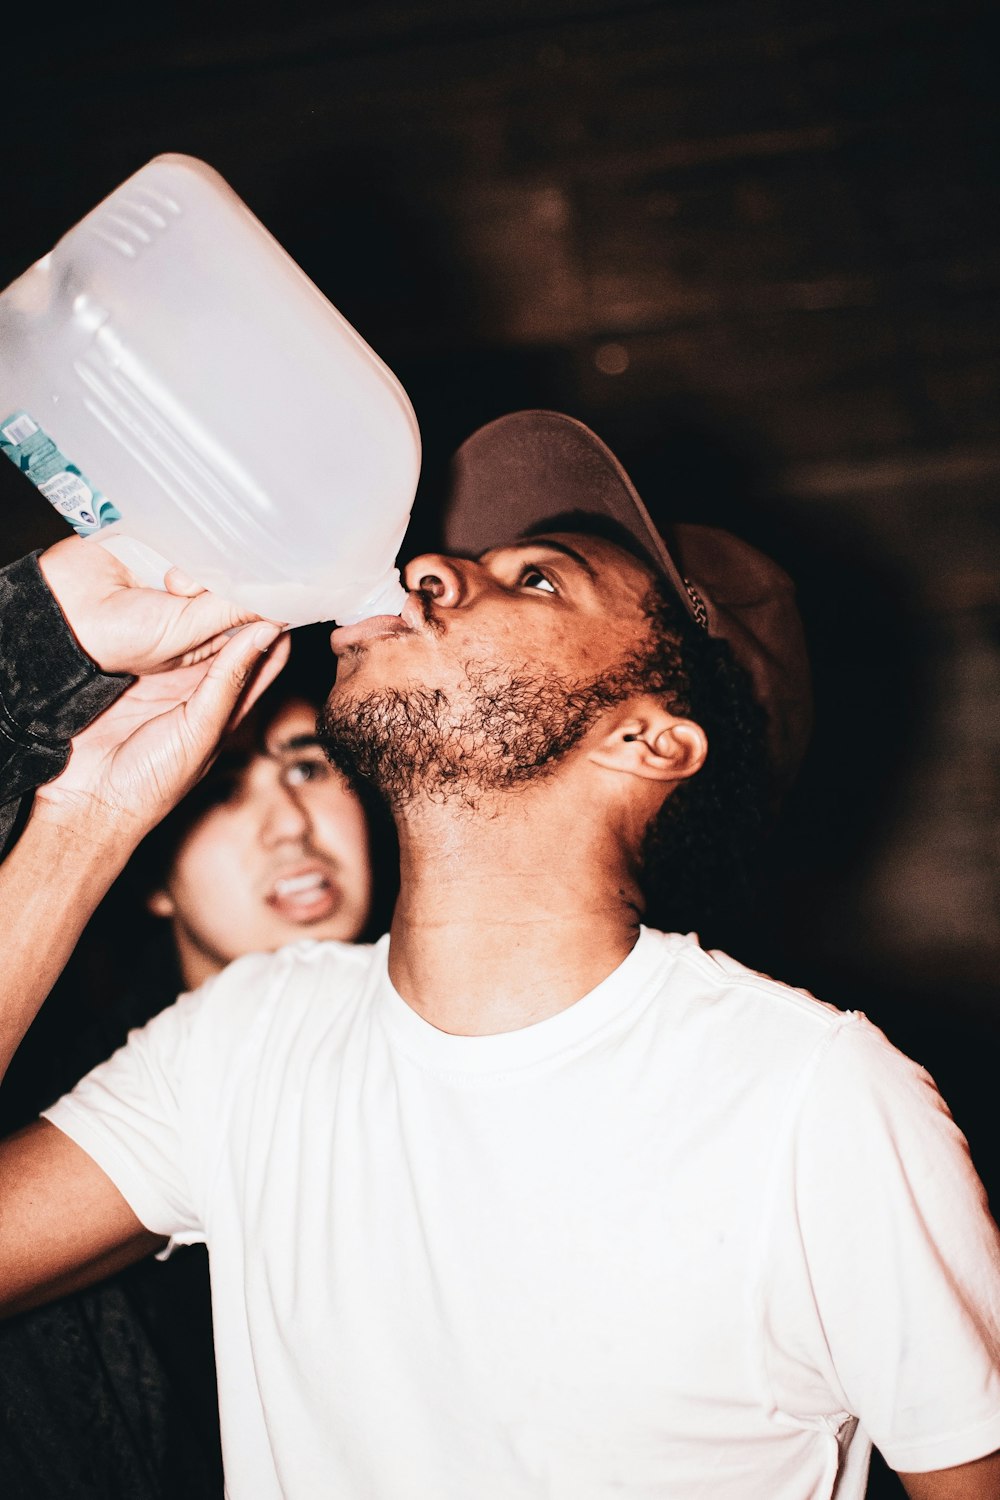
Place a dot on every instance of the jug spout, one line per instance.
(387, 599)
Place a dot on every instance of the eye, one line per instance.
(306, 770)
(532, 577)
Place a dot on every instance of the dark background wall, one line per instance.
(756, 246)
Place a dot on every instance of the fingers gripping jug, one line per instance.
(180, 390)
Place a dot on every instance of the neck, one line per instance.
(510, 912)
(194, 963)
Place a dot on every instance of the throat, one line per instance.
(502, 972)
(511, 914)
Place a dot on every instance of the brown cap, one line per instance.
(534, 466)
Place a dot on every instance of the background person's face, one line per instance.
(282, 855)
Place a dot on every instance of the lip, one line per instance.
(304, 895)
(378, 627)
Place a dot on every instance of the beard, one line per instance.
(509, 730)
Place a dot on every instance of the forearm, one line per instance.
(979, 1480)
(50, 885)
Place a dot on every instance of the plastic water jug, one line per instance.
(178, 388)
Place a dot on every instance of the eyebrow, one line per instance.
(553, 546)
(297, 742)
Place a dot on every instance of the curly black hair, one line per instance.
(699, 849)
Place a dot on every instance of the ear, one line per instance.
(648, 741)
(160, 904)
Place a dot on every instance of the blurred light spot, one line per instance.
(611, 359)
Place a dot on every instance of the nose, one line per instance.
(285, 819)
(444, 579)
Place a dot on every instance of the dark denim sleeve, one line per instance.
(49, 690)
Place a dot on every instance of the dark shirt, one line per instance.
(49, 690)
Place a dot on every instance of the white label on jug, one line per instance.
(20, 429)
(61, 482)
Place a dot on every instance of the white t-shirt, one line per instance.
(673, 1241)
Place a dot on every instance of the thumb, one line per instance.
(202, 618)
(176, 581)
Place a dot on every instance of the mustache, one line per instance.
(429, 619)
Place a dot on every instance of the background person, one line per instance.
(273, 845)
(76, 630)
(111, 1391)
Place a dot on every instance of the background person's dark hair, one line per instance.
(700, 849)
